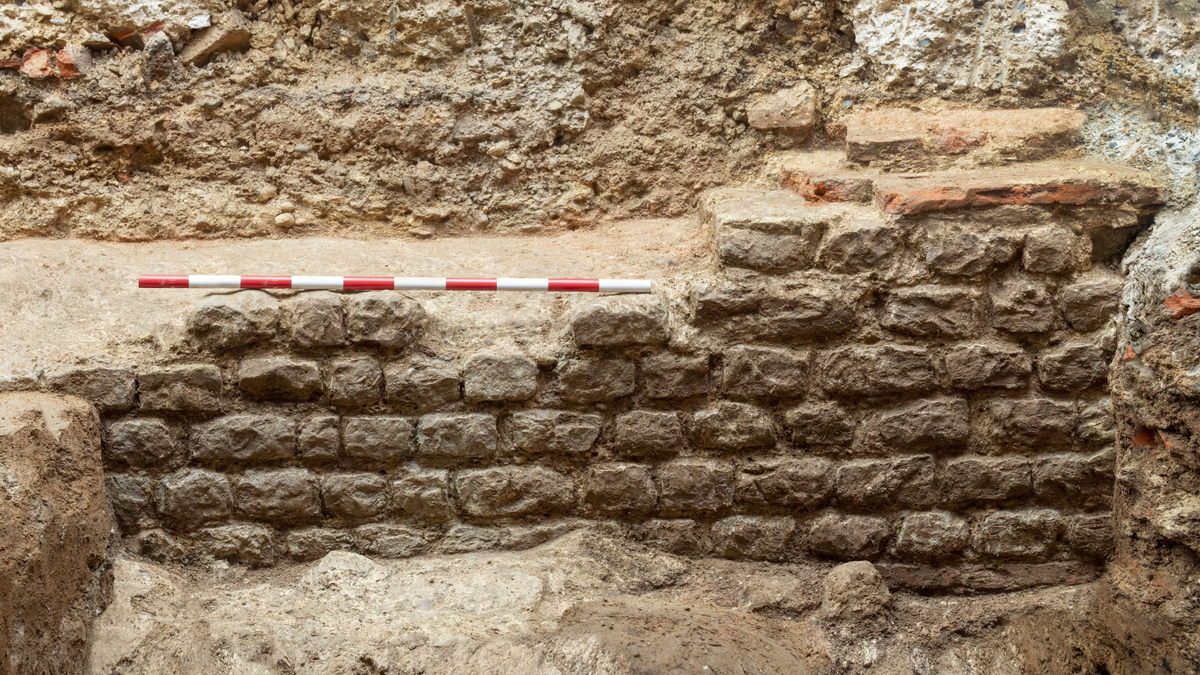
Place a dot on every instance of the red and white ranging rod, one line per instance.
(394, 283)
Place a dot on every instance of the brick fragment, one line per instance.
(621, 488)
(514, 491)
(824, 423)
(793, 110)
(252, 545)
(620, 321)
(229, 321)
(355, 381)
(280, 378)
(732, 426)
(979, 365)
(693, 486)
(878, 369)
(35, 63)
(244, 438)
(457, 436)
(318, 439)
(554, 432)
(1074, 366)
(73, 60)
(668, 375)
(422, 382)
(848, 537)
(499, 376)
(647, 432)
(764, 372)
(1026, 535)
(1088, 305)
(978, 479)
(595, 380)
(229, 33)
(109, 388)
(1022, 305)
(143, 443)
(384, 318)
(317, 319)
(422, 495)
(282, 496)
(192, 498)
(1056, 250)
(191, 388)
(354, 497)
(794, 483)
(932, 311)
(902, 481)
(932, 535)
(754, 537)
(1032, 422)
(376, 440)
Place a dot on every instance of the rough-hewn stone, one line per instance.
(383, 318)
(679, 536)
(925, 422)
(422, 495)
(824, 423)
(795, 483)
(1092, 536)
(244, 438)
(732, 426)
(1088, 305)
(514, 491)
(191, 498)
(143, 443)
(354, 497)
(422, 382)
(252, 545)
(355, 381)
(878, 369)
(1096, 423)
(1022, 305)
(793, 110)
(1055, 250)
(317, 319)
(281, 496)
(766, 252)
(1027, 535)
(979, 365)
(376, 441)
(668, 375)
(280, 378)
(854, 592)
(956, 251)
(620, 488)
(647, 432)
(620, 320)
(232, 320)
(1032, 422)
(754, 537)
(1073, 367)
(318, 440)
(132, 500)
(189, 388)
(978, 479)
(108, 387)
(595, 380)
(457, 436)
(763, 372)
(932, 535)
(689, 486)
(848, 536)
(391, 541)
(1084, 480)
(554, 432)
(313, 543)
(902, 481)
(932, 311)
(499, 376)
(854, 246)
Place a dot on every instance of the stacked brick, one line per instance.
(925, 391)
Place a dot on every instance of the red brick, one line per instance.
(817, 177)
(73, 61)
(36, 64)
(1074, 183)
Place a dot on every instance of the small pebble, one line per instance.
(287, 207)
(285, 220)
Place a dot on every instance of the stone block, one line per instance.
(1022, 305)
(621, 488)
(647, 432)
(854, 246)
(848, 537)
(933, 535)
(924, 423)
(422, 495)
(1092, 536)
(314, 543)
(384, 318)
(667, 375)
(319, 439)
(793, 110)
(252, 545)
(1081, 480)
(595, 380)
(317, 319)
(1073, 367)
(233, 320)
(792, 483)
(679, 536)
(754, 537)
(958, 252)
(190, 388)
(159, 546)
(194, 497)
(765, 251)
(1088, 305)
(711, 301)
(1096, 423)
(764, 372)
(354, 497)
(132, 500)
(457, 436)
(932, 311)
(732, 426)
(554, 432)
(619, 321)
(356, 382)
(469, 539)
(109, 388)
(391, 541)
(281, 496)
(824, 423)
(802, 313)
(1032, 422)
(514, 491)
(854, 593)
(875, 370)
(1055, 250)
(499, 376)
(376, 441)
(1030, 534)
(897, 481)
(979, 365)
(695, 486)
(229, 33)
(244, 438)
(979, 479)
(280, 378)
(143, 443)
(422, 382)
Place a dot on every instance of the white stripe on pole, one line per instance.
(625, 285)
(331, 283)
(214, 281)
(522, 284)
(420, 283)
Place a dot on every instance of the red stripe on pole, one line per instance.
(163, 281)
(575, 285)
(470, 284)
(368, 283)
(266, 282)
